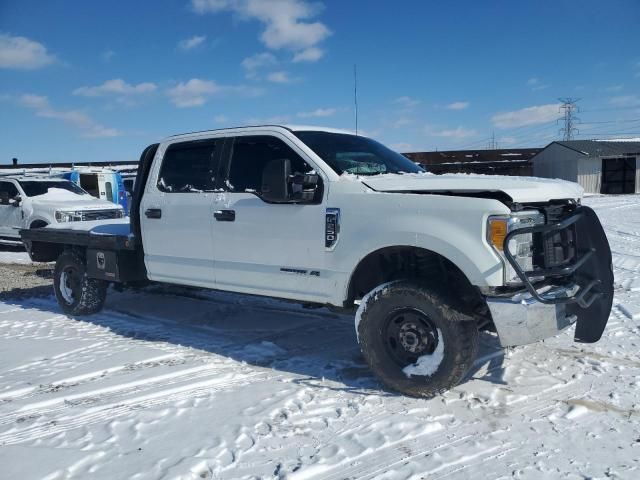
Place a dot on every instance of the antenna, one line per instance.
(569, 106)
(355, 93)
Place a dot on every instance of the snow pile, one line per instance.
(14, 257)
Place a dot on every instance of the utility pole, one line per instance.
(493, 145)
(568, 110)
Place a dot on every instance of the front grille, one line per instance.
(100, 214)
(556, 248)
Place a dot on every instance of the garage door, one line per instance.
(618, 175)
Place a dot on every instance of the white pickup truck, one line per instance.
(327, 218)
(28, 201)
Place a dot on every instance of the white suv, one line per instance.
(34, 202)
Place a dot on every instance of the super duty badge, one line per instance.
(331, 228)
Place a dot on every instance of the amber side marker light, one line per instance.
(497, 232)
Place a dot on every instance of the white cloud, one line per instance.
(20, 53)
(527, 116)
(318, 113)
(275, 120)
(286, 22)
(118, 87)
(312, 54)
(401, 122)
(280, 77)
(401, 147)
(76, 118)
(625, 101)
(536, 84)
(107, 55)
(407, 102)
(614, 88)
(197, 92)
(455, 133)
(193, 93)
(191, 43)
(221, 119)
(258, 62)
(457, 106)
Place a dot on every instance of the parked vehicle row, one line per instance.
(327, 218)
(38, 201)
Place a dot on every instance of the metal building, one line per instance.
(599, 166)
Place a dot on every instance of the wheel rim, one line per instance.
(69, 282)
(409, 334)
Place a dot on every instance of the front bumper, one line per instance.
(521, 319)
(577, 288)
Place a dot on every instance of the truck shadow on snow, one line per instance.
(315, 345)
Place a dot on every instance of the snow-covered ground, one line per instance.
(14, 256)
(189, 384)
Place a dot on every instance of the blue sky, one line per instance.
(84, 80)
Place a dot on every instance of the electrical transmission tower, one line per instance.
(568, 109)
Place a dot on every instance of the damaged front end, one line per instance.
(564, 270)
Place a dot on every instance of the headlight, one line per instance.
(63, 216)
(521, 246)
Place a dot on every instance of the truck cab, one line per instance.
(328, 218)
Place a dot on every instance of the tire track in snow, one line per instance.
(103, 413)
(62, 403)
(82, 378)
(371, 464)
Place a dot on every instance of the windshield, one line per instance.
(33, 188)
(357, 155)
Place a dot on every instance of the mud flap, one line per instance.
(592, 320)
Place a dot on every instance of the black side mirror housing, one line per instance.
(280, 186)
(16, 201)
(275, 181)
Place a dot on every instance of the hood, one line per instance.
(519, 189)
(63, 199)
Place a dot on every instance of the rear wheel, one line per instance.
(77, 294)
(413, 340)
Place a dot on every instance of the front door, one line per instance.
(176, 214)
(10, 215)
(265, 248)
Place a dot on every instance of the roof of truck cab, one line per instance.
(291, 128)
(22, 178)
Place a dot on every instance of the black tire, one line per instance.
(401, 322)
(77, 294)
(28, 244)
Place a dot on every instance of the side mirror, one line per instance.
(275, 181)
(4, 198)
(16, 201)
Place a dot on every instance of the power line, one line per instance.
(569, 108)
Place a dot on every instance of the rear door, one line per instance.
(176, 213)
(10, 215)
(266, 248)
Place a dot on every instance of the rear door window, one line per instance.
(189, 167)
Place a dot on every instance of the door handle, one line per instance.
(225, 215)
(153, 213)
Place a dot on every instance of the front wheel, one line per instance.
(413, 340)
(77, 294)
